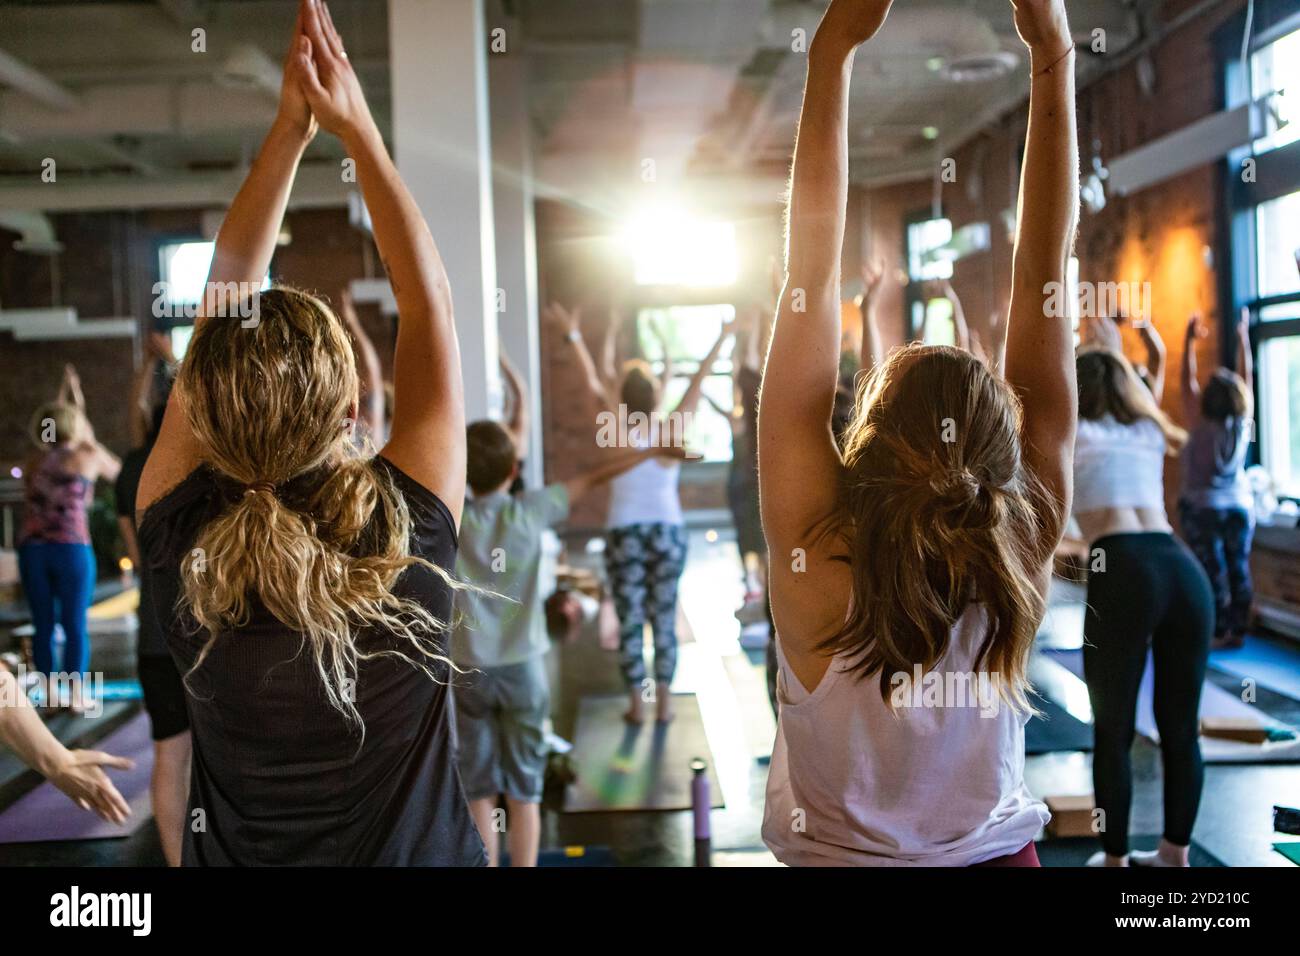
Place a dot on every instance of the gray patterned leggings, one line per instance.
(644, 563)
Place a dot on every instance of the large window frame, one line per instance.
(1276, 174)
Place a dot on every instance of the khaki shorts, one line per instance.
(500, 716)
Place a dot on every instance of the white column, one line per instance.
(512, 202)
(442, 141)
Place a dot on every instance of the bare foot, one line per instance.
(1102, 859)
(664, 710)
(1168, 854)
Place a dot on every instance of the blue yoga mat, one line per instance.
(1269, 663)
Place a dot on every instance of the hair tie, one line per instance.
(256, 486)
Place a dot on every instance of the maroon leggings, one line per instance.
(1027, 855)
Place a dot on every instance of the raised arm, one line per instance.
(243, 251)
(1245, 361)
(371, 405)
(519, 422)
(871, 352)
(566, 325)
(1191, 388)
(1040, 347)
(70, 389)
(1156, 357)
(428, 430)
(799, 464)
(691, 397)
(609, 351)
(670, 370)
(960, 328)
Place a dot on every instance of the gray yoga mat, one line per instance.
(646, 766)
(45, 814)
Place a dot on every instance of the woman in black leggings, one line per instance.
(1145, 589)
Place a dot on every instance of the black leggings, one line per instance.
(1153, 593)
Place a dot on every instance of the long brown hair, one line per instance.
(940, 514)
(1108, 385)
(319, 536)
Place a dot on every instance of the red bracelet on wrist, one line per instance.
(1051, 66)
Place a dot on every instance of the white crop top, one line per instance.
(1118, 466)
(646, 493)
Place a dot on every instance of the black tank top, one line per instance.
(279, 775)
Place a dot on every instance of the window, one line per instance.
(183, 268)
(924, 240)
(689, 332)
(1277, 241)
(1275, 68)
(931, 316)
(1279, 425)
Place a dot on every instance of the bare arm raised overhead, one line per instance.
(872, 352)
(428, 432)
(1191, 388)
(799, 464)
(1040, 346)
(1155, 349)
(371, 403)
(1245, 361)
(243, 251)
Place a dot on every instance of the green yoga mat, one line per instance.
(1289, 850)
(644, 767)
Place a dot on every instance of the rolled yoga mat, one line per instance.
(45, 814)
(647, 766)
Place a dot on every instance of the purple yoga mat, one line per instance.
(45, 814)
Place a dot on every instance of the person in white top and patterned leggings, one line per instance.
(645, 550)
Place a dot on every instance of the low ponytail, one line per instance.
(317, 535)
(938, 514)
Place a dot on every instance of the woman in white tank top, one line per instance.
(645, 544)
(909, 572)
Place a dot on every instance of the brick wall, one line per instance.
(1164, 235)
(107, 269)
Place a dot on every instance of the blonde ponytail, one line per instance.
(319, 536)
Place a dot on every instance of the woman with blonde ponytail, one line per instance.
(908, 571)
(303, 588)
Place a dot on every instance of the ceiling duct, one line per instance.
(35, 231)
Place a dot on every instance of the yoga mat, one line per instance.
(1056, 730)
(45, 814)
(1075, 851)
(1269, 663)
(125, 689)
(119, 605)
(647, 766)
(1215, 702)
(1289, 850)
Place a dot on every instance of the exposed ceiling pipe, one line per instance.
(18, 75)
